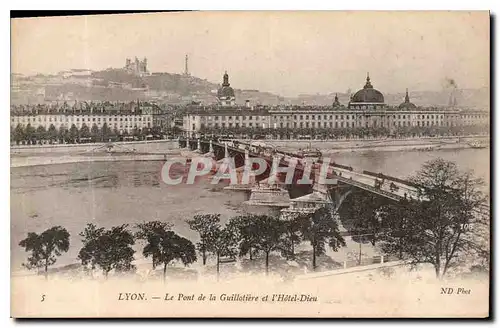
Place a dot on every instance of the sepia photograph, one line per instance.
(265, 164)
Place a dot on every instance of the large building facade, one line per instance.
(124, 117)
(365, 109)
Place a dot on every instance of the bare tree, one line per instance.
(439, 231)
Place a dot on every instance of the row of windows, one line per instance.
(474, 116)
(326, 117)
(326, 124)
(366, 106)
(70, 119)
(79, 125)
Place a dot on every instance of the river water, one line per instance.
(114, 193)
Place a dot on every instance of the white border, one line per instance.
(492, 5)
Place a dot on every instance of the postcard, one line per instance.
(251, 164)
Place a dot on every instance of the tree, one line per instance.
(41, 132)
(73, 133)
(360, 215)
(52, 132)
(149, 230)
(108, 249)
(205, 225)
(84, 131)
(322, 228)
(268, 235)
(167, 246)
(63, 133)
(291, 226)
(45, 247)
(94, 131)
(18, 134)
(440, 231)
(246, 226)
(398, 218)
(136, 132)
(105, 132)
(223, 243)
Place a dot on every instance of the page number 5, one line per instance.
(43, 298)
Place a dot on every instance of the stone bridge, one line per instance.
(341, 179)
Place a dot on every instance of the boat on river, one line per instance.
(476, 144)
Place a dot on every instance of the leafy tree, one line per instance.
(291, 227)
(268, 235)
(205, 225)
(73, 133)
(105, 132)
(360, 215)
(398, 218)
(166, 246)
(246, 226)
(62, 134)
(136, 132)
(84, 131)
(41, 132)
(45, 247)
(223, 243)
(18, 134)
(89, 252)
(149, 230)
(94, 131)
(321, 228)
(52, 132)
(107, 249)
(439, 231)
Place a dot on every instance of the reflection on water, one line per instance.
(113, 193)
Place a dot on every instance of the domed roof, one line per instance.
(225, 91)
(407, 104)
(368, 94)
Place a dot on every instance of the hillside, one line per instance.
(119, 85)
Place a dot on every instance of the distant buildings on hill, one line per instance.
(137, 67)
(135, 79)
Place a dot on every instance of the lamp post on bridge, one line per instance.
(226, 151)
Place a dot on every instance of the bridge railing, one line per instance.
(369, 188)
(404, 186)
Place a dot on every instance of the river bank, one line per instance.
(159, 150)
(388, 144)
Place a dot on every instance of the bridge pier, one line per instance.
(338, 193)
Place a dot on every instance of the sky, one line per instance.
(287, 53)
